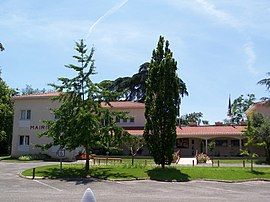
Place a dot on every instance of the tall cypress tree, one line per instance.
(161, 104)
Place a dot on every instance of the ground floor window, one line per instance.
(235, 143)
(222, 143)
(182, 143)
(24, 139)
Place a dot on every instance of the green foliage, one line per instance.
(240, 106)
(212, 145)
(161, 104)
(194, 117)
(6, 117)
(258, 134)
(132, 88)
(82, 122)
(266, 83)
(32, 157)
(28, 90)
(1, 47)
(134, 143)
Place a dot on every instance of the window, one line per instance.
(222, 143)
(131, 120)
(124, 120)
(24, 140)
(182, 143)
(117, 120)
(235, 143)
(25, 114)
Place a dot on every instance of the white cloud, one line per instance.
(220, 15)
(248, 48)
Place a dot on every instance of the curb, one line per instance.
(141, 179)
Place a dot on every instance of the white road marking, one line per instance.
(48, 185)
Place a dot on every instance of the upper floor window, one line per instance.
(124, 120)
(24, 140)
(131, 120)
(117, 119)
(25, 114)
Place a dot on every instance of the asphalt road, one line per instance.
(15, 188)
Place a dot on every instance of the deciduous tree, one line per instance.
(258, 133)
(266, 83)
(240, 106)
(194, 117)
(6, 116)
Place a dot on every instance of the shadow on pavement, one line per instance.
(167, 174)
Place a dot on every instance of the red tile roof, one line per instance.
(201, 131)
(210, 130)
(33, 96)
(115, 104)
(124, 105)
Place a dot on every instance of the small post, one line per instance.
(94, 161)
(34, 173)
(145, 162)
(121, 161)
(98, 161)
(244, 163)
(193, 163)
(61, 164)
(107, 161)
(218, 163)
(251, 165)
(212, 162)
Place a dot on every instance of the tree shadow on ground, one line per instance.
(167, 174)
(79, 176)
(56, 173)
(107, 173)
(255, 172)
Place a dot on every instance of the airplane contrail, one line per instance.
(109, 12)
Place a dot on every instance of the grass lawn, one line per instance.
(138, 171)
(4, 157)
(239, 161)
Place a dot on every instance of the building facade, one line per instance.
(31, 110)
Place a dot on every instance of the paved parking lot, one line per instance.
(14, 188)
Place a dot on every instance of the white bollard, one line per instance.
(88, 196)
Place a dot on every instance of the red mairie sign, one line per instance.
(41, 127)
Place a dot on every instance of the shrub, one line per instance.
(202, 158)
(25, 158)
(31, 157)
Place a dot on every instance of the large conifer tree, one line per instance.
(161, 105)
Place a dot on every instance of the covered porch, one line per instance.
(229, 140)
(225, 147)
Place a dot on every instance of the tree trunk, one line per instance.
(267, 155)
(163, 165)
(132, 160)
(87, 160)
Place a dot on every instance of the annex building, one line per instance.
(31, 110)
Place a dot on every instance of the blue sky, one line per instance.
(222, 47)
